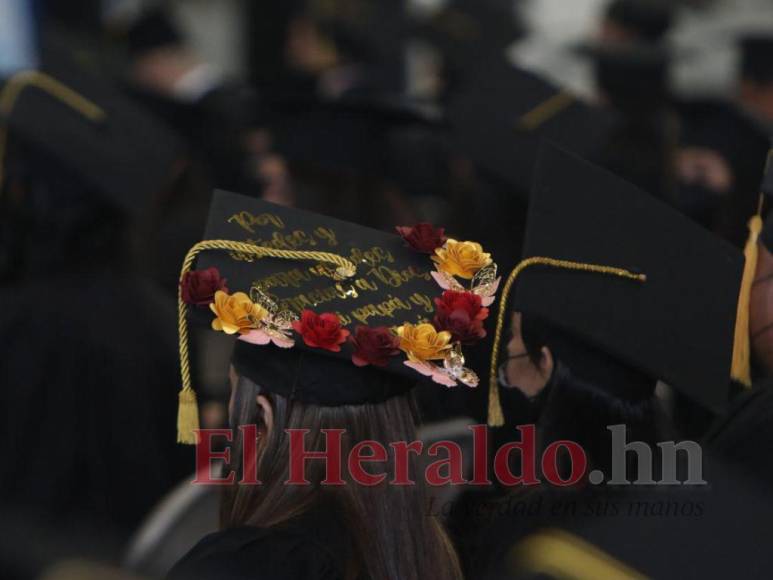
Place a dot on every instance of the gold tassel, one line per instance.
(741, 365)
(188, 410)
(187, 417)
(496, 417)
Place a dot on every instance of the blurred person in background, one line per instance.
(221, 117)
(88, 339)
(590, 364)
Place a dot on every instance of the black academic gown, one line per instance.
(314, 546)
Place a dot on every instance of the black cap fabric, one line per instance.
(678, 324)
(98, 134)
(466, 31)
(394, 284)
(757, 58)
(648, 20)
(630, 76)
(152, 30)
(348, 135)
(499, 117)
(718, 530)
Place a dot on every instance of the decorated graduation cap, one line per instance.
(328, 312)
(627, 276)
(97, 134)
(499, 117)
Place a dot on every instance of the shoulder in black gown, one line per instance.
(314, 546)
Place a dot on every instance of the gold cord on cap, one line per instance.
(188, 412)
(495, 415)
(560, 554)
(13, 88)
(545, 111)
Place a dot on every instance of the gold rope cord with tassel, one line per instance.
(13, 88)
(562, 555)
(188, 411)
(495, 416)
(545, 111)
(741, 365)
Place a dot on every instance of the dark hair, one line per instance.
(389, 533)
(587, 392)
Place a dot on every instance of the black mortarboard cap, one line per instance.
(632, 76)
(153, 29)
(91, 129)
(648, 20)
(388, 284)
(499, 118)
(369, 32)
(757, 58)
(468, 31)
(347, 135)
(678, 324)
(705, 531)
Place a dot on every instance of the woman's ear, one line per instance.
(267, 411)
(546, 363)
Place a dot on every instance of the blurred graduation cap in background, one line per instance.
(364, 36)
(63, 117)
(346, 135)
(632, 77)
(712, 531)
(502, 113)
(646, 21)
(625, 278)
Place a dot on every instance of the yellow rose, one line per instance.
(422, 342)
(462, 259)
(235, 313)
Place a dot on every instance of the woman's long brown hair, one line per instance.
(392, 536)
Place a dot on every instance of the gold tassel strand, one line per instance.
(14, 86)
(495, 415)
(188, 411)
(545, 111)
(740, 369)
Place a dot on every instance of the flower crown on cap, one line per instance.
(431, 348)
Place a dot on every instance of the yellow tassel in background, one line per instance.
(741, 366)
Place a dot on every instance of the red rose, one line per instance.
(373, 346)
(321, 330)
(198, 287)
(423, 237)
(461, 314)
